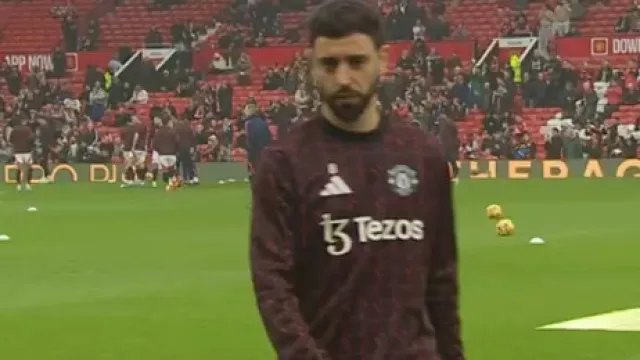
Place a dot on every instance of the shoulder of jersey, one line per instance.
(407, 131)
(412, 134)
(299, 135)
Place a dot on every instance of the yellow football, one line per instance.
(505, 227)
(494, 212)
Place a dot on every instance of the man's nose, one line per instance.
(343, 74)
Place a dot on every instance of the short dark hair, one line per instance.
(339, 18)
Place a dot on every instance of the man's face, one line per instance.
(346, 72)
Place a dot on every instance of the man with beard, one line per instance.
(353, 246)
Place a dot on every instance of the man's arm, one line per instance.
(273, 239)
(10, 135)
(248, 133)
(442, 287)
(136, 137)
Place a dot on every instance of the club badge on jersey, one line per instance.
(403, 180)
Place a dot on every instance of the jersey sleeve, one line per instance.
(442, 300)
(273, 257)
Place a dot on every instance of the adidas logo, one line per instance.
(336, 185)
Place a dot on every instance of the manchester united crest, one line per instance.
(403, 180)
(600, 46)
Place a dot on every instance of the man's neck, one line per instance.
(368, 121)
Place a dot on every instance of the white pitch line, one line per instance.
(621, 321)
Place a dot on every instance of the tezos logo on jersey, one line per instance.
(367, 229)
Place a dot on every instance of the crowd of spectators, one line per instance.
(629, 22)
(182, 35)
(423, 87)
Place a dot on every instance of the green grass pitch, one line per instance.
(100, 272)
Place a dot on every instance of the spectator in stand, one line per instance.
(69, 26)
(571, 144)
(140, 96)
(264, 18)
(605, 74)
(13, 78)
(439, 28)
(613, 95)
(192, 33)
(400, 21)
(545, 29)
(523, 148)
(519, 26)
(630, 21)
(577, 9)
(153, 38)
(419, 30)
(167, 81)
(219, 64)
(459, 33)
(562, 18)
(70, 32)
(90, 41)
(272, 80)
(225, 99)
(495, 146)
(243, 67)
(98, 98)
(589, 105)
(631, 95)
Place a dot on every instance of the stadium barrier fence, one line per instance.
(481, 169)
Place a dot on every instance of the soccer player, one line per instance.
(46, 137)
(134, 139)
(22, 139)
(154, 161)
(353, 247)
(166, 144)
(258, 137)
(185, 152)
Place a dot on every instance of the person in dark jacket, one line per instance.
(258, 137)
(448, 133)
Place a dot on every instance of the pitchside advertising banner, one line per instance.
(26, 62)
(483, 169)
(284, 55)
(585, 47)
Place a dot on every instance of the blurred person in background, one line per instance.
(258, 137)
(186, 150)
(553, 144)
(448, 134)
(98, 98)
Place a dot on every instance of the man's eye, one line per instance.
(330, 63)
(357, 61)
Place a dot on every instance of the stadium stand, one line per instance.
(206, 60)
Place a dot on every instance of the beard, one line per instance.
(348, 104)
